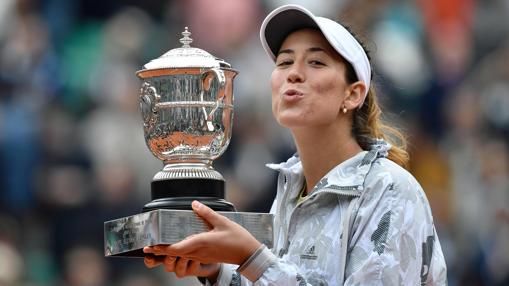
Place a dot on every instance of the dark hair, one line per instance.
(368, 123)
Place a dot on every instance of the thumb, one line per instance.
(207, 214)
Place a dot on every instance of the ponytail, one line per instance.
(368, 124)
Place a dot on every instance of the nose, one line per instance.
(296, 73)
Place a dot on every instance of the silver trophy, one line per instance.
(186, 101)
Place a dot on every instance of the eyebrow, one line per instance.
(286, 51)
(290, 51)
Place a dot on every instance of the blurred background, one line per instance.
(72, 153)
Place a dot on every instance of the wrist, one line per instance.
(257, 263)
(249, 251)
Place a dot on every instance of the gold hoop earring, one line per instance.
(344, 109)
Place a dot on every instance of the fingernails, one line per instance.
(197, 205)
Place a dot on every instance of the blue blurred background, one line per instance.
(72, 153)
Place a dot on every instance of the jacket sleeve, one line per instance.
(393, 238)
(280, 272)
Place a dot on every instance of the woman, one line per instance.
(346, 212)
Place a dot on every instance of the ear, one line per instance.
(354, 95)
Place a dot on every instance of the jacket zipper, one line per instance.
(282, 207)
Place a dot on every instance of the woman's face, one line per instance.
(308, 83)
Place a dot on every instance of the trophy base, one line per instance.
(184, 203)
(169, 218)
(126, 237)
(178, 194)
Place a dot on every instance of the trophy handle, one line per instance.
(207, 81)
(148, 100)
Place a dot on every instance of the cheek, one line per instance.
(275, 83)
(329, 87)
(330, 99)
(275, 106)
(276, 79)
(331, 93)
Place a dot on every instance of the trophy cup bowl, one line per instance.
(186, 102)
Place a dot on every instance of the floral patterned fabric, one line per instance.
(392, 239)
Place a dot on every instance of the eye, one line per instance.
(316, 63)
(283, 63)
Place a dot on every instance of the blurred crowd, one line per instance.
(72, 153)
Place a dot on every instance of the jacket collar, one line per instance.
(346, 178)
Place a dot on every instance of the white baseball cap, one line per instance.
(289, 18)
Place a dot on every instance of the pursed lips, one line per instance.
(292, 95)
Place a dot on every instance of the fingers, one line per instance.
(194, 266)
(152, 261)
(160, 250)
(180, 267)
(178, 249)
(183, 267)
(169, 263)
(206, 213)
(156, 255)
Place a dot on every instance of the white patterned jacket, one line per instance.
(372, 201)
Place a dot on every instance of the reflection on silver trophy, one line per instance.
(187, 105)
(186, 101)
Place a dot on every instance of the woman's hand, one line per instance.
(183, 267)
(226, 242)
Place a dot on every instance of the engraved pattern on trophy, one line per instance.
(194, 120)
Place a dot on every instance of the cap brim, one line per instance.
(280, 23)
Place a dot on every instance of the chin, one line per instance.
(291, 122)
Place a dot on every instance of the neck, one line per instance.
(321, 149)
